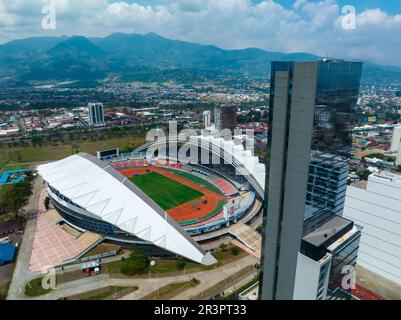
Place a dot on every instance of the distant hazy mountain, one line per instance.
(134, 57)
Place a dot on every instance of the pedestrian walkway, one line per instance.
(249, 237)
(239, 244)
(146, 286)
(22, 275)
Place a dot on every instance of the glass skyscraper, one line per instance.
(310, 128)
(225, 117)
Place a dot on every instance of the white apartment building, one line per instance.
(376, 206)
(96, 114)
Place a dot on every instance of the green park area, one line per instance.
(106, 293)
(13, 197)
(137, 264)
(56, 151)
(166, 192)
(171, 290)
(34, 288)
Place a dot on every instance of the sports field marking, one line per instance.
(166, 192)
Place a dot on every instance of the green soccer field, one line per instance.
(165, 192)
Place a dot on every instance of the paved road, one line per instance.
(211, 278)
(76, 287)
(30, 211)
(22, 275)
(16, 291)
(244, 281)
(146, 285)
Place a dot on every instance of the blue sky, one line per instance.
(314, 26)
(390, 6)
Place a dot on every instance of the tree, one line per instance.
(363, 175)
(37, 141)
(223, 246)
(181, 263)
(47, 203)
(138, 262)
(17, 197)
(392, 116)
(235, 251)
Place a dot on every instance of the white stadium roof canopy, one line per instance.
(246, 163)
(230, 151)
(109, 196)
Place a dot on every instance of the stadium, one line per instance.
(155, 202)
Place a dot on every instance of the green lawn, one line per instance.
(165, 192)
(55, 151)
(34, 288)
(3, 190)
(171, 290)
(105, 293)
(196, 179)
(169, 266)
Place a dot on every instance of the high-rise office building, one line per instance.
(96, 114)
(225, 117)
(395, 139)
(207, 118)
(398, 156)
(306, 240)
(217, 118)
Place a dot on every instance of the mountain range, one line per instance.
(134, 57)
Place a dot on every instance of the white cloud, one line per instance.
(299, 3)
(378, 19)
(308, 26)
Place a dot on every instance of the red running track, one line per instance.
(365, 294)
(186, 211)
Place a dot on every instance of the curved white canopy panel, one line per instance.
(237, 154)
(107, 195)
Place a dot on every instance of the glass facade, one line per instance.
(311, 118)
(225, 117)
(344, 255)
(337, 91)
(327, 185)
